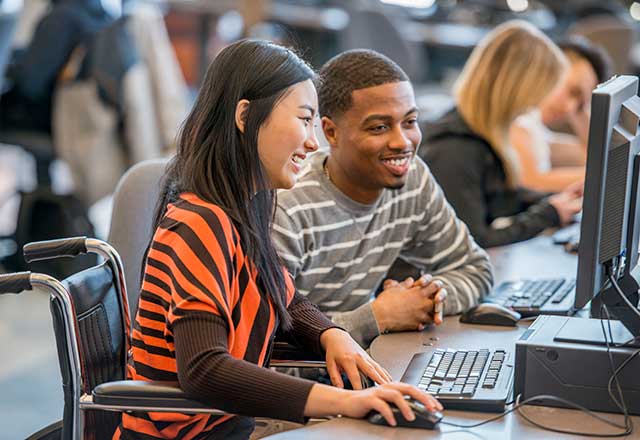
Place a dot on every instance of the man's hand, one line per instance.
(344, 354)
(409, 305)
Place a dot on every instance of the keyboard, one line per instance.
(553, 296)
(478, 380)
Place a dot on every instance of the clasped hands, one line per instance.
(401, 306)
(409, 305)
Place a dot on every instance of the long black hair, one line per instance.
(220, 164)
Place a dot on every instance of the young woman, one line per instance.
(468, 149)
(214, 291)
(549, 161)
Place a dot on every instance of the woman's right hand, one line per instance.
(326, 400)
(358, 404)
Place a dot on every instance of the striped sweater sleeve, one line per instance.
(443, 247)
(208, 373)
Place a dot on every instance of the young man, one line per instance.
(370, 201)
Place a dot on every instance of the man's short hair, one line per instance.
(595, 55)
(353, 70)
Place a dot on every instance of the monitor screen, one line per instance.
(608, 232)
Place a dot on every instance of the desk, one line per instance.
(537, 257)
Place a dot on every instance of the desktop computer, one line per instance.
(550, 352)
(608, 273)
(549, 355)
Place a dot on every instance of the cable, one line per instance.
(613, 281)
(614, 372)
(547, 397)
(624, 433)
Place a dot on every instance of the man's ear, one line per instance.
(241, 114)
(330, 131)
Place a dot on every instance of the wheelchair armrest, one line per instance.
(140, 393)
(285, 355)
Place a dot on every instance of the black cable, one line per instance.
(628, 424)
(547, 397)
(633, 308)
(615, 371)
(619, 403)
(624, 433)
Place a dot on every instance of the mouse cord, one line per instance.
(627, 429)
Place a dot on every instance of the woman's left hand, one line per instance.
(345, 355)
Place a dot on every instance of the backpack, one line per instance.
(43, 215)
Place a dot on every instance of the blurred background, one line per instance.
(90, 87)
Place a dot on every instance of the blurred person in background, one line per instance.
(67, 25)
(468, 150)
(549, 160)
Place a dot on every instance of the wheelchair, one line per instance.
(92, 326)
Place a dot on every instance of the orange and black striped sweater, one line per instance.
(203, 321)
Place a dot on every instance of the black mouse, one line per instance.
(490, 314)
(425, 419)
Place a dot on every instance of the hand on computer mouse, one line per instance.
(424, 419)
(359, 404)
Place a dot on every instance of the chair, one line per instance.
(92, 328)
(134, 203)
(371, 29)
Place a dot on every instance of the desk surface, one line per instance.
(537, 257)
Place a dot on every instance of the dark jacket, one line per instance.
(69, 24)
(474, 181)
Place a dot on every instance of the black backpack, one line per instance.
(44, 215)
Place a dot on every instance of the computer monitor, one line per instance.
(610, 225)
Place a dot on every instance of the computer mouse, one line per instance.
(425, 419)
(490, 314)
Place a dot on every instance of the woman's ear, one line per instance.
(241, 114)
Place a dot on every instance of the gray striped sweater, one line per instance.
(339, 250)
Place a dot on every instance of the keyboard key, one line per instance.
(468, 390)
(449, 393)
(435, 360)
(440, 374)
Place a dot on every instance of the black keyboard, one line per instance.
(464, 379)
(533, 297)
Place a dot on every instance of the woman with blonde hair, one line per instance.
(468, 149)
(550, 160)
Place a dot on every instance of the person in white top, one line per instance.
(552, 160)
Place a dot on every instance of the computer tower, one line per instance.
(566, 357)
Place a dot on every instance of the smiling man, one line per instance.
(370, 201)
